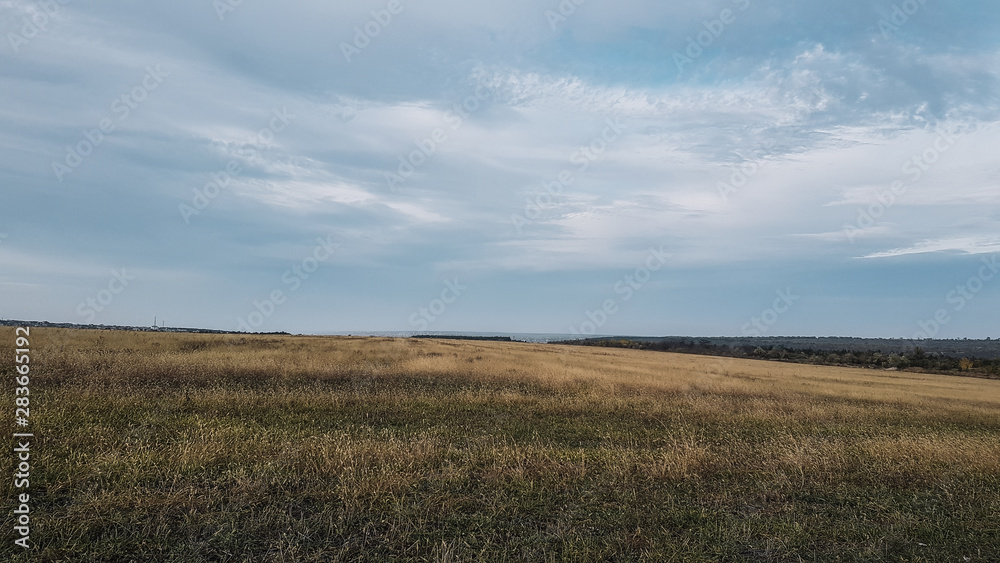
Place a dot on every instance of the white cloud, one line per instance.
(962, 245)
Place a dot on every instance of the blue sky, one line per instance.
(634, 167)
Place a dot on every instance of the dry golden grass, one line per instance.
(203, 447)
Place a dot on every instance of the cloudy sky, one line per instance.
(715, 167)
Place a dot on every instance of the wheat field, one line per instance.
(183, 447)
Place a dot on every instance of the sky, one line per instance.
(703, 168)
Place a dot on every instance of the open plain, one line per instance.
(175, 447)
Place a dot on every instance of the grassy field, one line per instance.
(169, 447)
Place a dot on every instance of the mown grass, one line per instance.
(174, 447)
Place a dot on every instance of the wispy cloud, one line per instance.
(823, 117)
(966, 245)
